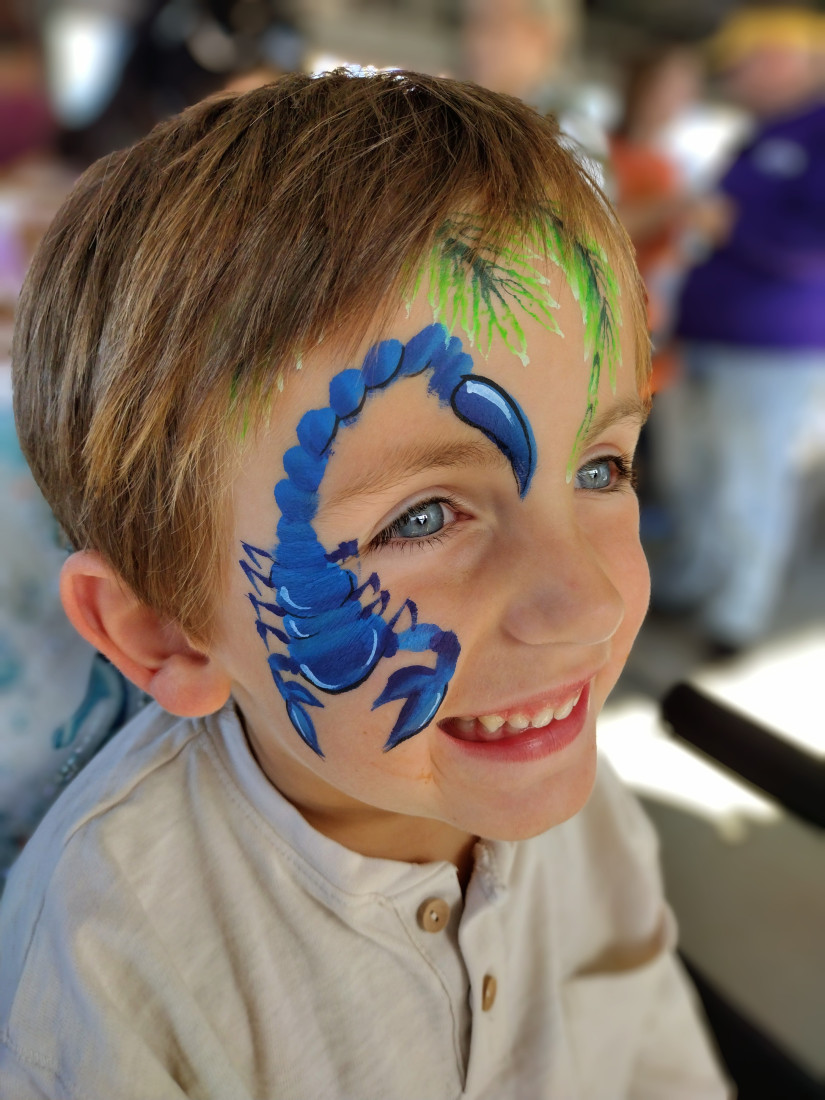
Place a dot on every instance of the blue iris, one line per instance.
(423, 520)
(595, 475)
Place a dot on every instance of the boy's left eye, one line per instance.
(419, 522)
(608, 472)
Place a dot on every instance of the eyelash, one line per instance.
(388, 535)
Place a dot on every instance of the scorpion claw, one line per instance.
(299, 694)
(303, 724)
(422, 700)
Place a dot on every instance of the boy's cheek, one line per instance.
(636, 565)
(633, 567)
(356, 675)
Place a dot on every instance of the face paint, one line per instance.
(474, 289)
(334, 641)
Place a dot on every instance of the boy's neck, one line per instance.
(379, 835)
(368, 830)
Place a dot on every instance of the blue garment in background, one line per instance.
(59, 699)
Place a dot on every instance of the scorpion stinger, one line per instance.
(334, 641)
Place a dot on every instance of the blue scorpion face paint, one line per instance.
(336, 631)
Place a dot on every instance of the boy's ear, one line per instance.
(153, 653)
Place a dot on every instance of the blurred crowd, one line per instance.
(712, 148)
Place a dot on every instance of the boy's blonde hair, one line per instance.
(184, 276)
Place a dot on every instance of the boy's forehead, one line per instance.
(409, 429)
(510, 307)
(496, 331)
(481, 292)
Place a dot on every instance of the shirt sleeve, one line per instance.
(676, 1060)
(637, 994)
(128, 1075)
(92, 1004)
(23, 1084)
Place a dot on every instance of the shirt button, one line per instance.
(489, 988)
(433, 914)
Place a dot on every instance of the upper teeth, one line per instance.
(519, 721)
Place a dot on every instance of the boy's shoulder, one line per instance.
(138, 753)
(607, 858)
(78, 860)
(133, 770)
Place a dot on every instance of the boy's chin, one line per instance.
(529, 814)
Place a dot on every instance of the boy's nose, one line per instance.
(560, 592)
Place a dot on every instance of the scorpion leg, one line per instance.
(261, 625)
(371, 582)
(272, 608)
(383, 600)
(296, 697)
(407, 605)
(343, 552)
(252, 571)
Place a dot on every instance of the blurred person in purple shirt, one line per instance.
(752, 319)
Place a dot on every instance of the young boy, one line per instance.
(335, 387)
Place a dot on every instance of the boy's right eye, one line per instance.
(419, 523)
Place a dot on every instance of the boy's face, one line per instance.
(450, 568)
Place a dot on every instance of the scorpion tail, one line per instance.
(297, 698)
(486, 406)
(422, 689)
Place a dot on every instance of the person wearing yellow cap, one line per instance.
(771, 58)
(752, 318)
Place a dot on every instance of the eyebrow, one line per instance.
(415, 459)
(418, 457)
(631, 408)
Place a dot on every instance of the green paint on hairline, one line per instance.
(479, 290)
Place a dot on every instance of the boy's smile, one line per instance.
(523, 595)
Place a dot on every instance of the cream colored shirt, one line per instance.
(176, 929)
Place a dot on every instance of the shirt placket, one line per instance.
(483, 943)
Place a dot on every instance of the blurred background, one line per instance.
(704, 121)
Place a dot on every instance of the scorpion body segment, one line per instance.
(333, 626)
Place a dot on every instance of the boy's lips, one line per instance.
(562, 714)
